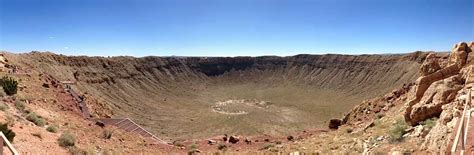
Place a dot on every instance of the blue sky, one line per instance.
(233, 27)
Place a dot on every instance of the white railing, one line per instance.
(9, 145)
(126, 124)
(461, 133)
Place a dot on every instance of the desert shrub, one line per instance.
(398, 130)
(20, 105)
(52, 128)
(7, 132)
(222, 147)
(3, 106)
(429, 123)
(107, 134)
(66, 139)
(193, 146)
(38, 120)
(193, 149)
(10, 85)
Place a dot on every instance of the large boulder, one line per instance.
(234, 139)
(334, 123)
(459, 54)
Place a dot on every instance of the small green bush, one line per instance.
(429, 123)
(7, 132)
(10, 85)
(107, 134)
(193, 149)
(20, 105)
(398, 130)
(193, 146)
(66, 139)
(52, 128)
(38, 120)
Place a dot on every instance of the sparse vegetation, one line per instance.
(38, 120)
(10, 85)
(66, 140)
(398, 130)
(52, 128)
(20, 105)
(107, 134)
(193, 146)
(7, 132)
(193, 149)
(429, 123)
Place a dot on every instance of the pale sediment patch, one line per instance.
(239, 107)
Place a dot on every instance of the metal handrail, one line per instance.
(9, 145)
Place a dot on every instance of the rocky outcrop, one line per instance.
(456, 61)
(370, 109)
(438, 94)
(430, 65)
